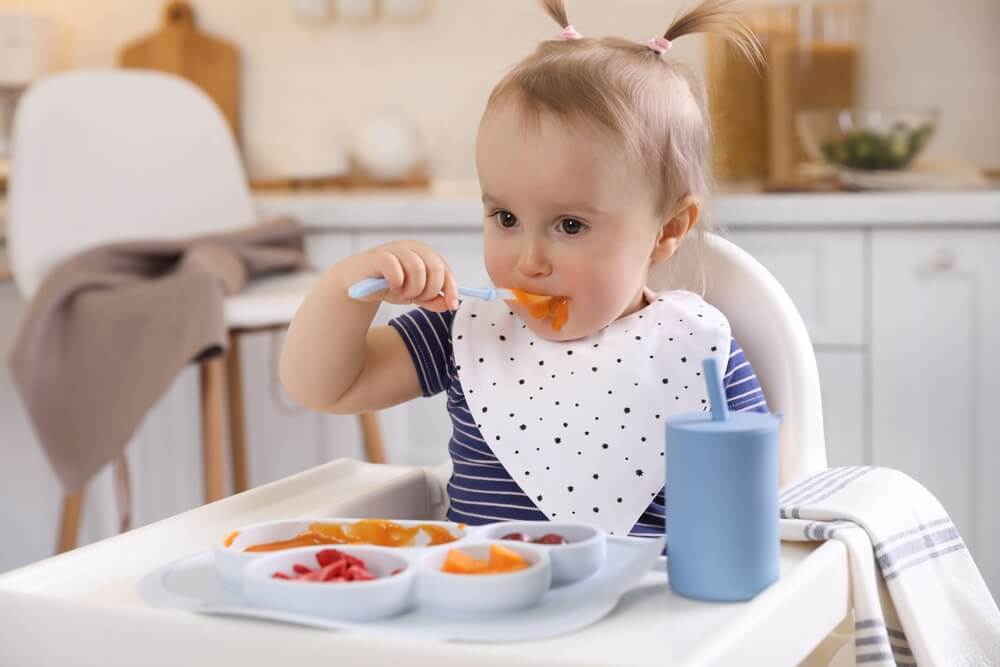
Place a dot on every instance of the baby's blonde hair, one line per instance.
(655, 107)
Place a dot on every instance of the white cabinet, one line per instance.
(936, 373)
(825, 274)
(326, 249)
(845, 406)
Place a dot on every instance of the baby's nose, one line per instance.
(533, 261)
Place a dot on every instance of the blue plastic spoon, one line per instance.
(369, 286)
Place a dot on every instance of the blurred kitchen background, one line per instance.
(311, 76)
(358, 117)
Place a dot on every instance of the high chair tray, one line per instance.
(192, 583)
(86, 606)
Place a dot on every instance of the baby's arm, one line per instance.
(333, 360)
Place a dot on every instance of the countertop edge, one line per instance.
(401, 210)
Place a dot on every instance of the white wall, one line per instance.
(308, 86)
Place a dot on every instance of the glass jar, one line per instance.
(813, 50)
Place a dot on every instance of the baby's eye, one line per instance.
(571, 226)
(506, 219)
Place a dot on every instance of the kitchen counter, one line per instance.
(458, 207)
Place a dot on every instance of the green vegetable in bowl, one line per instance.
(865, 149)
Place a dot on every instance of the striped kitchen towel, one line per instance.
(918, 597)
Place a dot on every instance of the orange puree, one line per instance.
(553, 308)
(367, 531)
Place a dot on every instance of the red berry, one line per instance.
(520, 537)
(327, 556)
(551, 538)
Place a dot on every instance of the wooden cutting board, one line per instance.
(180, 48)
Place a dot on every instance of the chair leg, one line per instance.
(123, 493)
(213, 428)
(371, 435)
(69, 523)
(237, 432)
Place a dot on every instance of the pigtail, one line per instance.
(557, 10)
(720, 17)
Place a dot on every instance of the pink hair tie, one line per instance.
(569, 32)
(659, 44)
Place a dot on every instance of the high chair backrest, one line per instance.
(100, 156)
(774, 338)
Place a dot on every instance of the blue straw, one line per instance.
(716, 396)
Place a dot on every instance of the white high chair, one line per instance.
(107, 156)
(774, 338)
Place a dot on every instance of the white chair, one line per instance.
(773, 336)
(775, 340)
(102, 156)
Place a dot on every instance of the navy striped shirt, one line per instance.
(481, 490)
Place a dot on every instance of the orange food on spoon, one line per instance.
(553, 308)
(559, 311)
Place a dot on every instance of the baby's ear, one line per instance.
(675, 226)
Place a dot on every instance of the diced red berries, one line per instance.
(520, 537)
(334, 565)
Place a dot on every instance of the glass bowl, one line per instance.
(867, 139)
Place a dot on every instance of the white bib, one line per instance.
(579, 425)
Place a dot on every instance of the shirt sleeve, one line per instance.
(427, 336)
(743, 392)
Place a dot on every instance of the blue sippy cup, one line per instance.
(722, 500)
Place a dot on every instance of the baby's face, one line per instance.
(564, 216)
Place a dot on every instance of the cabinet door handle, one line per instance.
(945, 261)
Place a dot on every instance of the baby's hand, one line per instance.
(415, 273)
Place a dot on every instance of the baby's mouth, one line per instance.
(541, 307)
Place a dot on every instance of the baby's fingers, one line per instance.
(442, 301)
(390, 268)
(450, 290)
(435, 295)
(416, 275)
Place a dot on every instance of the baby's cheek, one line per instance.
(601, 302)
(497, 269)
